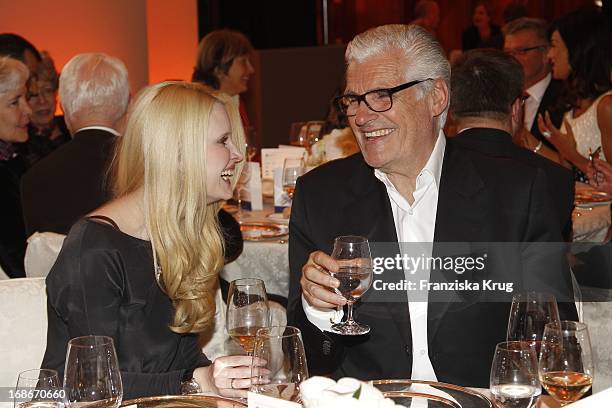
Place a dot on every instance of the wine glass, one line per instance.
(247, 311)
(292, 169)
(297, 134)
(355, 276)
(38, 388)
(566, 362)
(313, 133)
(92, 373)
(514, 378)
(282, 350)
(529, 313)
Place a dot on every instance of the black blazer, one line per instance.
(68, 183)
(481, 200)
(549, 104)
(497, 143)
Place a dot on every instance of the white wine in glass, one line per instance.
(247, 311)
(292, 169)
(566, 362)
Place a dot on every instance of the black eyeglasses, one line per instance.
(523, 51)
(378, 100)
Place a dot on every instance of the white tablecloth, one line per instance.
(266, 260)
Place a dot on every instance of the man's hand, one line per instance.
(317, 284)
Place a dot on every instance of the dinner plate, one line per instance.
(183, 401)
(435, 393)
(592, 198)
(261, 231)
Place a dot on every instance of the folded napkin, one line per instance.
(321, 392)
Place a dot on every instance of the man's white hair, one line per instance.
(423, 57)
(13, 74)
(94, 83)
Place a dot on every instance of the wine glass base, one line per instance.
(350, 329)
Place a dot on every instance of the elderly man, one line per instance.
(486, 124)
(526, 39)
(409, 184)
(67, 184)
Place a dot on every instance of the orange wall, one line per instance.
(172, 32)
(156, 39)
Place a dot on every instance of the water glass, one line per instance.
(292, 169)
(514, 380)
(529, 313)
(282, 349)
(38, 388)
(92, 372)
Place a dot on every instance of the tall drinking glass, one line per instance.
(529, 313)
(247, 311)
(566, 362)
(282, 349)
(92, 372)
(38, 388)
(514, 380)
(355, 276)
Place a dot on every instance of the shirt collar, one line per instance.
(537, 90)
(432, 169)
(107, 129)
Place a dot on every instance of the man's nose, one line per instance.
(364, 114)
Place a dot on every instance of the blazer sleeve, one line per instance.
(324, 352)
(84, 294)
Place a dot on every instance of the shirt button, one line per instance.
(410, 211)
(423, 352)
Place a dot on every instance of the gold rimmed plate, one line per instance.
(261, 231)
(183, 401)
(592, 198)
(435, 393)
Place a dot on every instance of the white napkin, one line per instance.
(321, 392)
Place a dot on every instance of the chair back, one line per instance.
(41, 253)
(23, 327)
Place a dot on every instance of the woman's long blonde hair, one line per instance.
(163, 151)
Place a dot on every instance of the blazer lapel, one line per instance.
(370, 208)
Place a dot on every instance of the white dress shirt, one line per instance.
(107, 129)
(536, 92)
(413, 223)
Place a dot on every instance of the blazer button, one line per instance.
(326, 347)
(408, 349)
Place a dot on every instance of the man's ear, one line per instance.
(439, 97)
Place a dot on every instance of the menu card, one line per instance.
(272, 158)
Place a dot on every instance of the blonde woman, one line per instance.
(142, 269)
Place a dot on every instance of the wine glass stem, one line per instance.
(349, 312)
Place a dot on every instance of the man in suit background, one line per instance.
(70, 182)
(487, 107)
(527, 40)
(409, 184)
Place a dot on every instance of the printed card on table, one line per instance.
(275, 158)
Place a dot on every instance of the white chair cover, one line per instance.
(41, 253)
(23, 327)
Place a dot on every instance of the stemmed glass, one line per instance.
(38, 388)
(247, 311)
(566, 362)
(92, 372)
(529, 313)
(514, 378)
(355, 276)
(292, 169)
(297, 134)
(282, 350)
